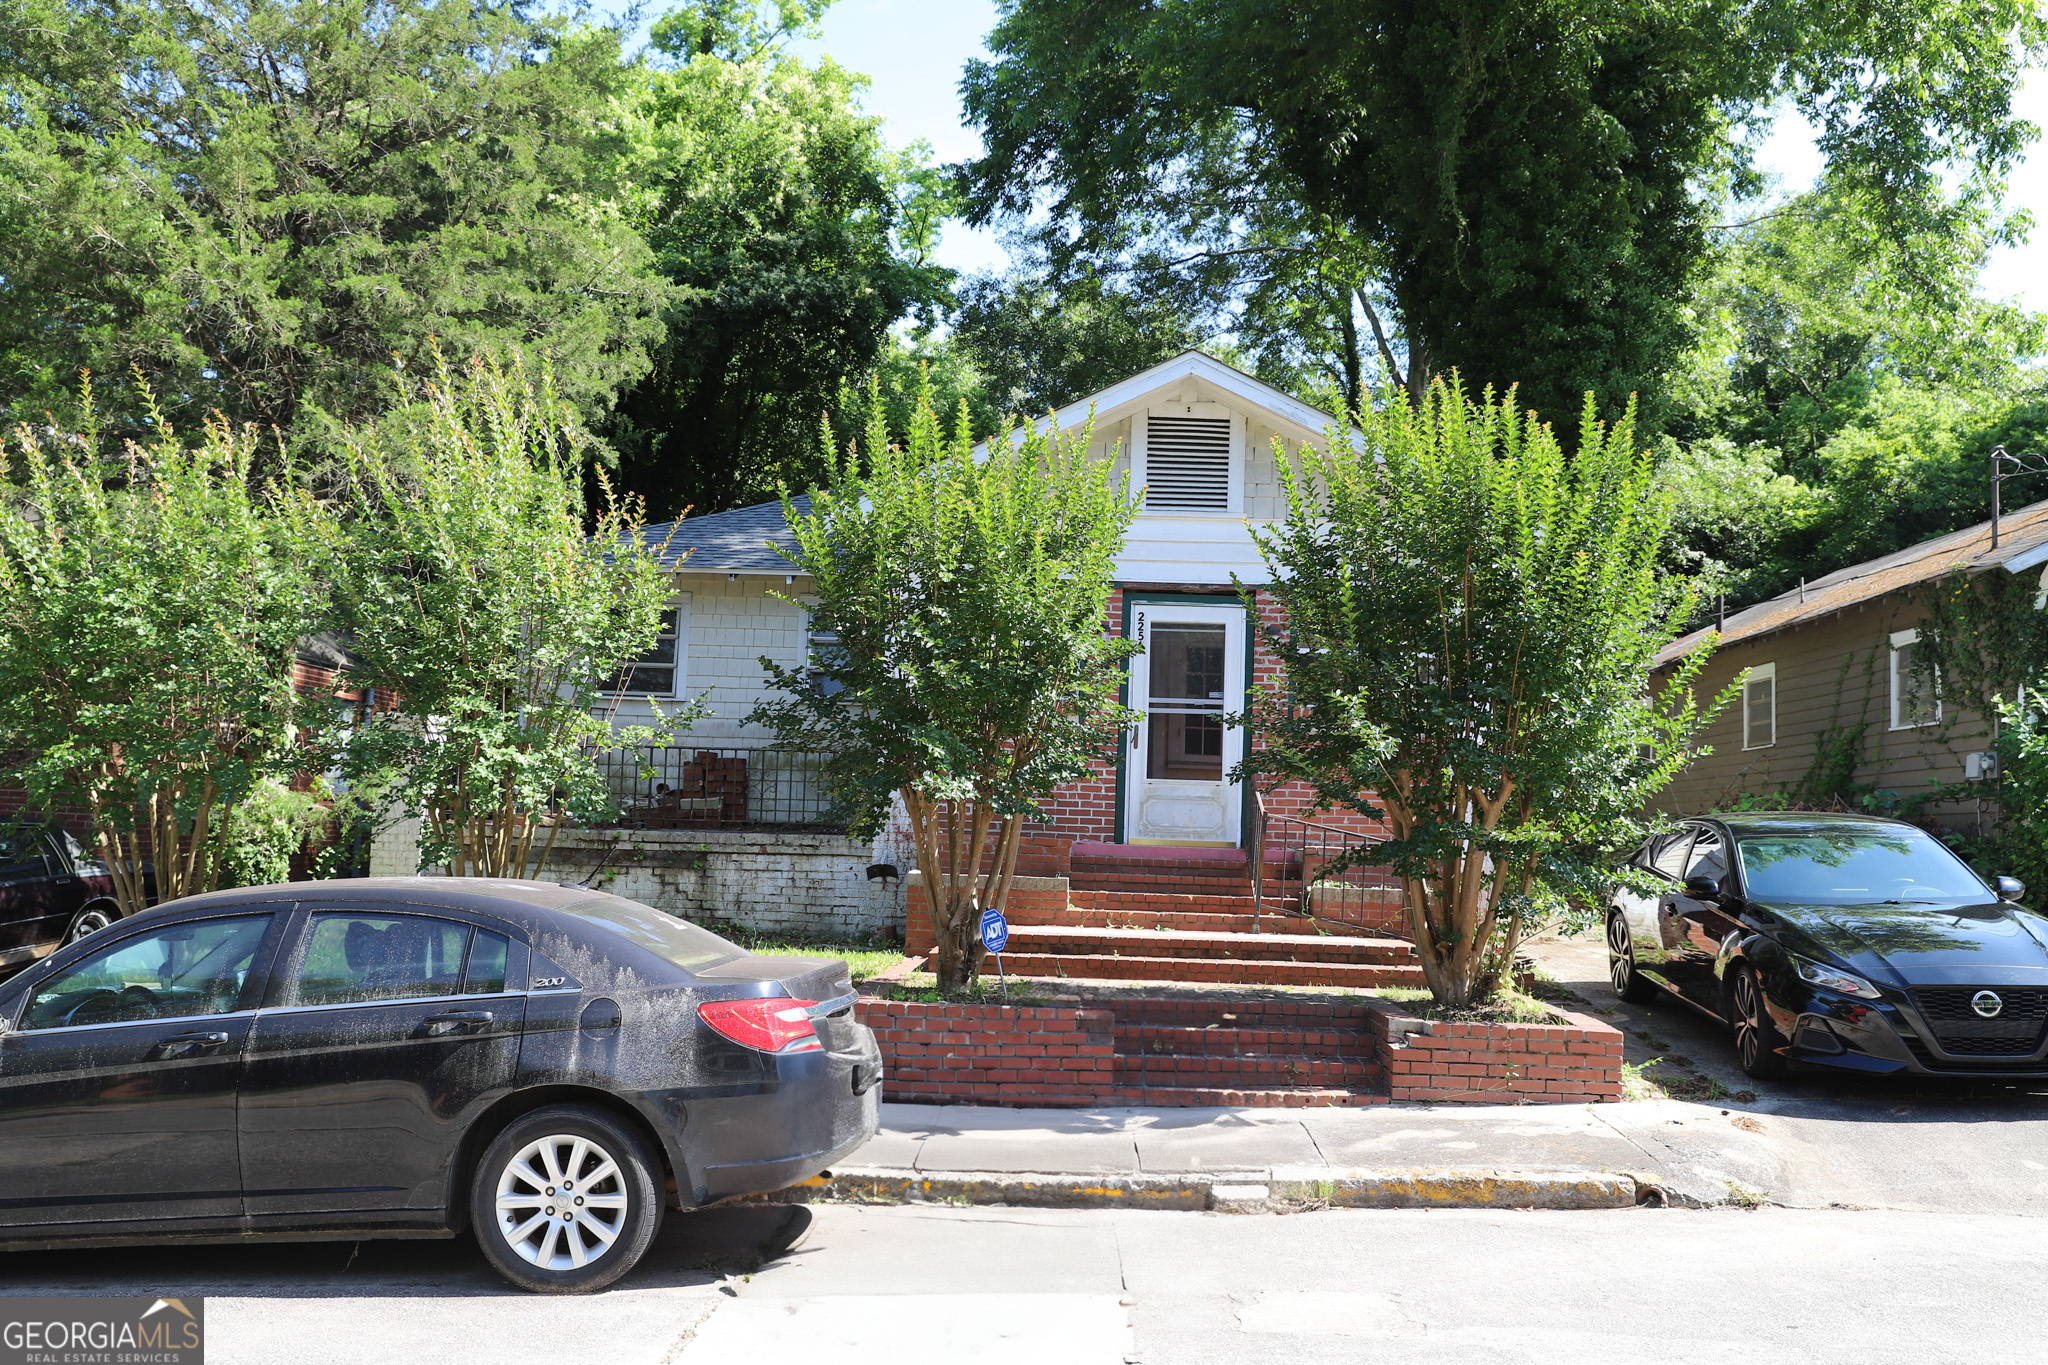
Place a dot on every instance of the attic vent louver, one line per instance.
(1187, 463)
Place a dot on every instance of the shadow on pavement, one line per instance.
(693, 1249)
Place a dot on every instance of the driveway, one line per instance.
(1836, 1137)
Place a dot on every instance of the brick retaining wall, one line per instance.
(1445, 1063)
(993, 1054)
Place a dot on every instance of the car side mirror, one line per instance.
(1703, 888)
(2010, 888)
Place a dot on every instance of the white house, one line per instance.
(1201, 441)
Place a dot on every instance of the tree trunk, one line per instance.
(951, 838)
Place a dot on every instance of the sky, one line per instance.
(913, 51)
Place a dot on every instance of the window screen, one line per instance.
(1187, 463)
(653, 674)
(1914, 699)
(1760, 708)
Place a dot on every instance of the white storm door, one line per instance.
(1190, 674)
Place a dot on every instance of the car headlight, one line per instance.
(1835, 979)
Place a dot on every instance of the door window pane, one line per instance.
(1185, 728)
(486, 972)
(352, 957)
(174, 972)
(1666, 852)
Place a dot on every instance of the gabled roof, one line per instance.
(744, 539)
(740, 541)
(1295, 419)
(2022, 545)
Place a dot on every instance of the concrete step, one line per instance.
(1275, 1097)
(1272, 921)
(1062, 939)
(1219, 1041)
(1228, 971)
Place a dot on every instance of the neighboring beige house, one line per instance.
(1828, 679)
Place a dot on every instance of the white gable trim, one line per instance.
(1293, 418)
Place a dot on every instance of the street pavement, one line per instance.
(1874, 1220)
(910, 1285)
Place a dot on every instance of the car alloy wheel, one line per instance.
(566, 1199)
(1621, 963)
(1756, 1038)
(90, 922)
(561, 1202)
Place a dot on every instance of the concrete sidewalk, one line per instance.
(1965, 1160)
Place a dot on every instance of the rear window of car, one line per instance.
(689, 946)
(1906, 866)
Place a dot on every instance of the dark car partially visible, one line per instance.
(1837, 941)
(51, 893)
(409, 1057)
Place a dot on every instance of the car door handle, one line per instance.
(449, 1021)
(183, 1044)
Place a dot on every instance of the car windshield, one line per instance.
(1863, 868)
(677, 940)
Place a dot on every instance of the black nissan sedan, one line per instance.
(1837, 941)
(407, 1057)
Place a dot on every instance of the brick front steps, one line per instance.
(1065, 967)
(1198, 1048)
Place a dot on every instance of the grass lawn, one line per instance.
(863, 959)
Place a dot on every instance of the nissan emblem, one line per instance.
(1987, 1004)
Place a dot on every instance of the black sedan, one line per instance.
(51, 893)
(407, 1057)
(1837, 941)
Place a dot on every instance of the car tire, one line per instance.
(1756, 1037)
(90, 920)
(520, 1197)
(1629, 984)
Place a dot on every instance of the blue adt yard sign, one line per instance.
(995, 931)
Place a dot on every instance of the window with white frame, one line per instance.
(1916, 685)
(658, 671)
(1760, 706)
(821, 650)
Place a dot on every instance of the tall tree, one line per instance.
(1469, 619)
(1540, 179)
(971, 675)
(793, 236)
(258, 204)
(149, 610)
(480, 589)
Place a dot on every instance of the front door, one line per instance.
(117, 1082)
(1189, 676)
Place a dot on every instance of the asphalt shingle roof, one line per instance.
(2021, 536)
(739, 541)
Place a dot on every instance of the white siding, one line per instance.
(733, 622)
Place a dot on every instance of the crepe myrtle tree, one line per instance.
(1470, 619)
(971, 673)
(491, 602)
(150, 608)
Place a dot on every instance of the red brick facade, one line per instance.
(1087, 811)
(993, 1054)
(1499, 1063)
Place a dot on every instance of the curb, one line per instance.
(1279, 1188)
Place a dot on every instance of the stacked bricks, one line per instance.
(993, 1054)
(1261, 1053)
(1484, 1063)
(1032, 900)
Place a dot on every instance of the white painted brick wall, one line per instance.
(803, 885)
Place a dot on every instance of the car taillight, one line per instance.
(774, 1025)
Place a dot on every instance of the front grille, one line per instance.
(1961, 1032)
(1927, 1059)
